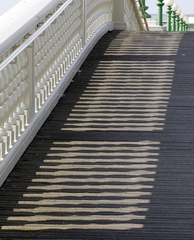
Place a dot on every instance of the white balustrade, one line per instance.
(35, 72)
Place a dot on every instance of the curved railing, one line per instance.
(36, 70)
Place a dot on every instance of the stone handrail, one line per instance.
(37, 67)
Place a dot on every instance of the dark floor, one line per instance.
(115, 160)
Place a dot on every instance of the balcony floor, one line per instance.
(115, 159)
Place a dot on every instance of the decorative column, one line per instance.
(182, 22)
(160, 5)
(169, 4)
(174, 9)
(178, 13)
(187, 24)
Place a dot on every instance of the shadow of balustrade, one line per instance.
(115, 158)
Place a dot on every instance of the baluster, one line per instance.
(40, 89)
(19, 109)
(9, 109)
(48, 81)
(3, 132)
(37, 99)
(10, 134)
(14, 115)
(2, 148)
(13, 123)
(24, 106)
(45, 87)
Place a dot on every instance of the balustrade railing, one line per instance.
(36, 70)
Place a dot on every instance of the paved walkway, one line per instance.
(115, 160)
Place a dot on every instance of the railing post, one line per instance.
(173, 21)
(2, 148)
(182, 16)
(177, 23)
(169, 4)
(181, 25)
(31, 66)
(119, 14)
(178, 13)
(174, 9)
(160, 5)
(169, 11)
(186, 24)
(83, 22)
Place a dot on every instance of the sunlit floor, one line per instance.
(115, 158)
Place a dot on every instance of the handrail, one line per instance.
(26, 43)
(143, 14)
(34, 76)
